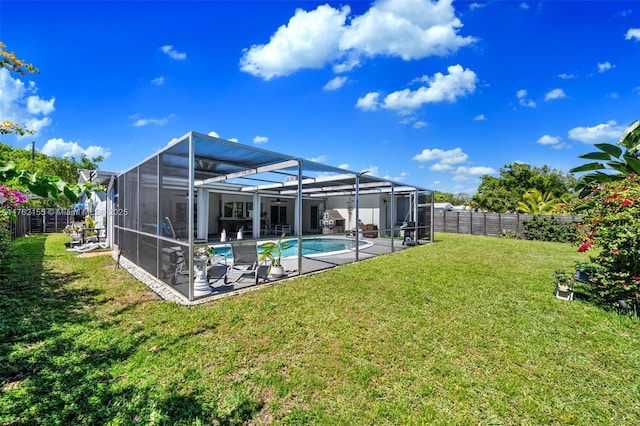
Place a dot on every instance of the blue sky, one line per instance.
(432, 94)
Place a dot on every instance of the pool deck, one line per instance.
(239, 284)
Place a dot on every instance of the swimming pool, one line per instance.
(311, 247)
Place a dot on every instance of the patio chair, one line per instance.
(218, 269)
(245, 260)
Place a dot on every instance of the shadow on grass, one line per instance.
(56, 360)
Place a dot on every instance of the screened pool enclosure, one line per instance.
(206, 191)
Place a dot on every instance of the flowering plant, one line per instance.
(204, 251)
(9, 199)
(611, 227)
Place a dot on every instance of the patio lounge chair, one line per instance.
(245, 260)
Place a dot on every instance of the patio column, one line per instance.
(298, 217)
(203, 214)
(357, 236)
(393, 216)
(190, 211)
(257, 214)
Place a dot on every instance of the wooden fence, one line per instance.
(33, 221)
(489, 224)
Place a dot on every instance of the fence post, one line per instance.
(485, 225)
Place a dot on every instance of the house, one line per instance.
(200, 187)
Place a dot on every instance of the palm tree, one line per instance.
(611, 157)
(536, 202)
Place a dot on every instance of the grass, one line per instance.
(463, 331)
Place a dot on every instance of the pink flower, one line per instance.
(585, 246)
(624, 285)
(634, 278)
(614, 251)
(626, 202)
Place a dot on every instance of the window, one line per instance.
(236, 209)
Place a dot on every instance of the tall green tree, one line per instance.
(617, 161)
(65, 168)
(502, 194)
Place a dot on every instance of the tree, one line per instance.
(38, 183)
(9, 61)
(502, 194)
(613, 158)
(458, 199)
(611, 226)
(65, 168)
(534, 202)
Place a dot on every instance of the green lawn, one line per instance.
(463, 331)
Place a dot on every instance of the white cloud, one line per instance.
(369, 102)
(607, 132)
(566, 76)
(555, 94)
(633, 33)
(375, 171)
(480, 117)
(548, 140)
(371, 170)
(409, 29)
(20, 104)
(419, 124)
(522, 98)
(260, 139)
(444, 159)
(335, 83)
(398, 178)
(233, 140)
(319, 159)
(524, 6)
(473, 6)
(309, 40)
(59, 148)
(139, 122)
(35, 105)
(440, 167)
(458, 83)
(475, 171)
(344, 166)
(172, 53)
(213, 134)
(605, 66)
(36, 124)
(158, 81)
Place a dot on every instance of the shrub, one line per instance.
(549, 228)
(611, 226)
(5, 240)
(510, 234)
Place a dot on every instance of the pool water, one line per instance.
(312, 247)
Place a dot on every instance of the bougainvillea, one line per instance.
(9, 199)
(611, 229)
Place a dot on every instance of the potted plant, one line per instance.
(563, 285)
(562, 279)
(585, 272)
(273, 251)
